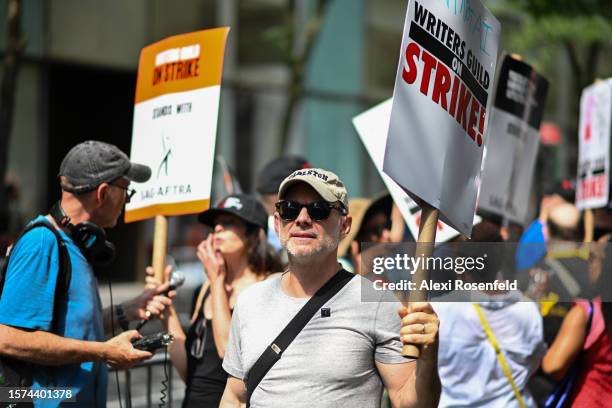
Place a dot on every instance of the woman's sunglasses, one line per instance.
(317, 211)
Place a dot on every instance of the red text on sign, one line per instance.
(448, 91)
(593, 187)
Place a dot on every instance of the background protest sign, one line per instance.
(593, 181)
(440, 103)
(513, 140)
(175, 122)
(372, 127)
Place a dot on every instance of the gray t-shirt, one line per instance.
(331, 363)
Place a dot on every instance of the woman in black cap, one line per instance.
(235, 255)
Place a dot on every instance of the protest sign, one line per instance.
(440, 108)
(175, 122)
(593, 181)
(439, 117)
(513, 141)
(372, 126)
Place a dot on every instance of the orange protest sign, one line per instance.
(175, 123)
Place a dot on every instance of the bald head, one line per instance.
(565, 215)
(564, 222)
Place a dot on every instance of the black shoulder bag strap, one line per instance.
(274, 352)
(19, 373)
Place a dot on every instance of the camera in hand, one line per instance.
(154, 341)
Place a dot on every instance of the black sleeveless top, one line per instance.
(205, 376)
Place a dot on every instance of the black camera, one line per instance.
(153, 342)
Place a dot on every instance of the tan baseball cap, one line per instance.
(327, 184)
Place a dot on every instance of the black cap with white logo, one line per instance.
(244, 206)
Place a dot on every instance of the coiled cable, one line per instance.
(164, 390)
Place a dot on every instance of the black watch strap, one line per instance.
(123, 321)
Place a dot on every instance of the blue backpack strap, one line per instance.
(18, 373)
(64, 273)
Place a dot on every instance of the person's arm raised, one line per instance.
(567, 345)
(214, 264)
(151, 300)
(415, 384)
(172, 324)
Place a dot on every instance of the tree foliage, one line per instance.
(553, 35)
(565, 8)
(282, 37)
(582, 28)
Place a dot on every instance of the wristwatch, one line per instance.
(123, 321)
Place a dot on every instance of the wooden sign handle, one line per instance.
(589, 225)
(160, 247)
(424, 248)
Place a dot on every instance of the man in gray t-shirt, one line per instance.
(344, 356)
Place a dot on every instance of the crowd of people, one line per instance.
(281, 318)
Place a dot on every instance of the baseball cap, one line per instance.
(327, 184)
(245, 207)
(91, 163)
(273, 173)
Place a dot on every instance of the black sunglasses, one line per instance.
(199, 342)
(317, 211)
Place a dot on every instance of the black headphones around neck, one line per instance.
(90, 238)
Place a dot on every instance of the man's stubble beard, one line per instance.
(328, 244)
